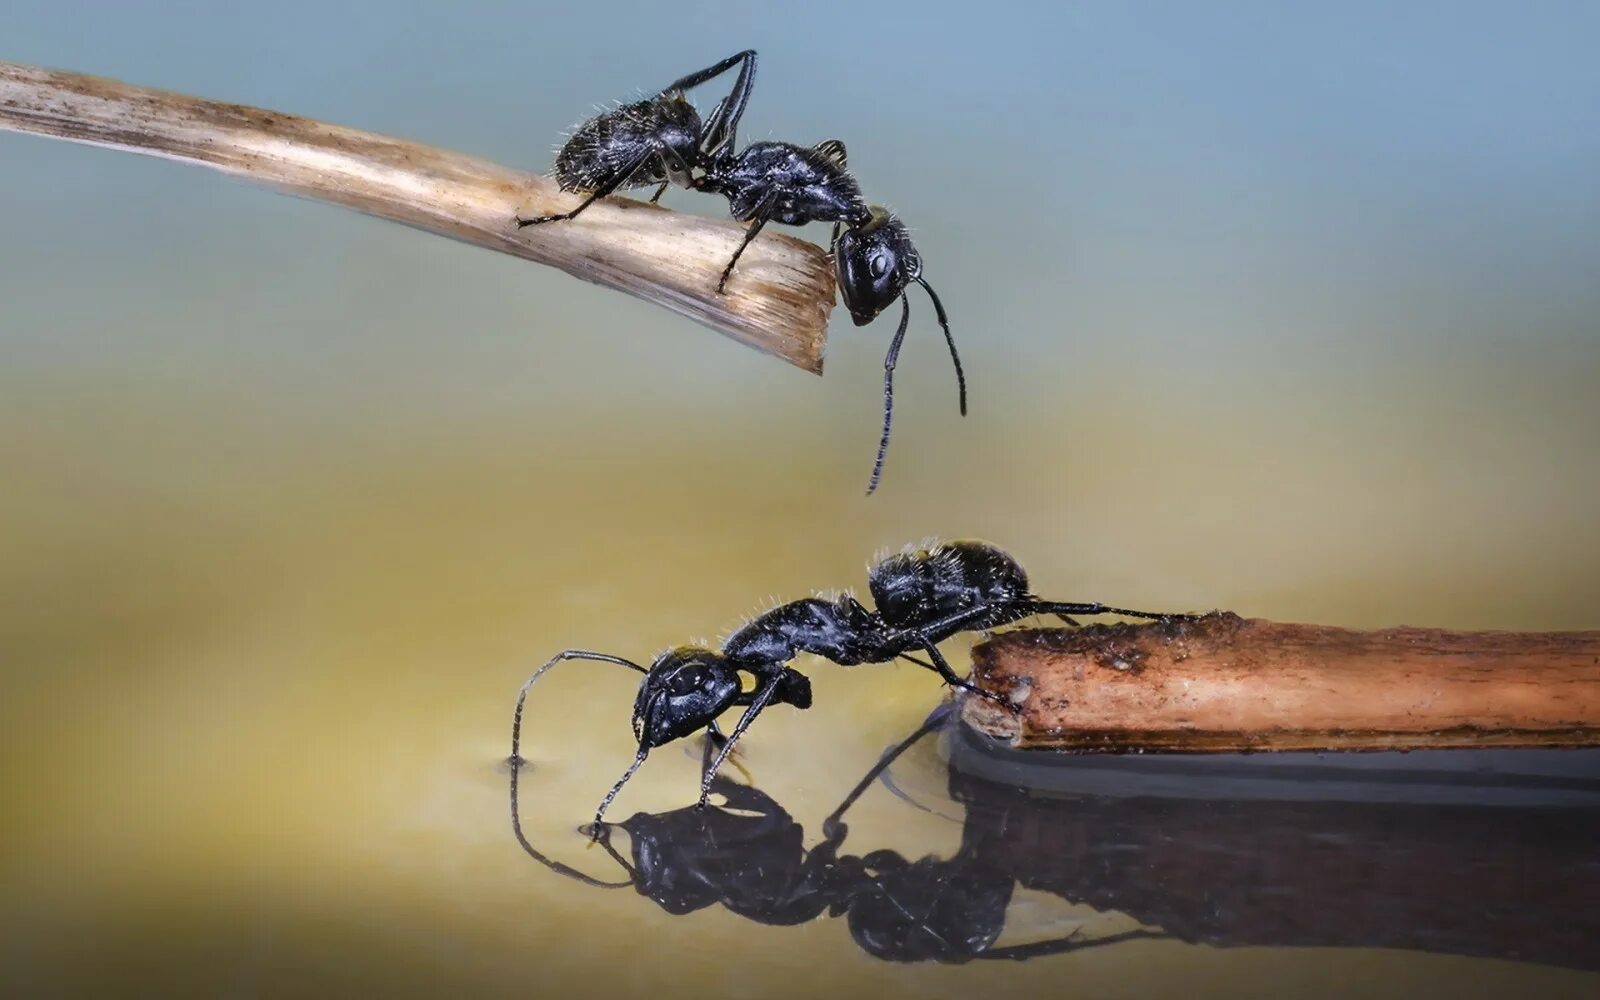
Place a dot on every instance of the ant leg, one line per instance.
(550, 863)
(695, 79)
(716, 740)
(522, 696)
(944, 324)
(606, 802)
(951, 678)
(1062, 610)
(762, 698)
(996, 615)
(1072, 942)
(605, 842)
(616, 181)
(889, 361)
(655, 198)
(750, 232)
(724, 121)
(833, 827)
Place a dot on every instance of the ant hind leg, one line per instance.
(942, 668)
(1095, 608)
(611, 184)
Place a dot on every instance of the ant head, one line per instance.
(683, 692)
(679, 135)
(874, 262)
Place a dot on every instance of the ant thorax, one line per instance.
(842, 631)
(783, 182)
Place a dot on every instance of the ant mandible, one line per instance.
(923, 597)
(661, 140)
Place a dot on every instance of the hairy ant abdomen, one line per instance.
(917, 586)
(607, 147)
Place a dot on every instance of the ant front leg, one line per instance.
(713, 742)
(761, 700)
(605, 803)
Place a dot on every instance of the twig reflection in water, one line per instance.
(1501, 880)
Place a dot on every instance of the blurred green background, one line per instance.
(1287, 310)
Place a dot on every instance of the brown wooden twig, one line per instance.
(778, 303)
(1225, 683)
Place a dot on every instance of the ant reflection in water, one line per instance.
(749, 856)
(1504, 868)
(923, 596)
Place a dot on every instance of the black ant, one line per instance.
(661, 141)
(923, 596)
(873, 257)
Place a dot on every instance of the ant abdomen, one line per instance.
(918, 586)
(606, 149)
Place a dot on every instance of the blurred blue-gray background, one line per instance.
(1291, 309)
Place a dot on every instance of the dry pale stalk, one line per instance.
(778, 303)
(1225, 683)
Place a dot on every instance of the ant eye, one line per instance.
(880, 265)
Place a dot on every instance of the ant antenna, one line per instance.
(944, 323)
(889, 362)
(606, 802)
(522, 696)
(555, 866)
